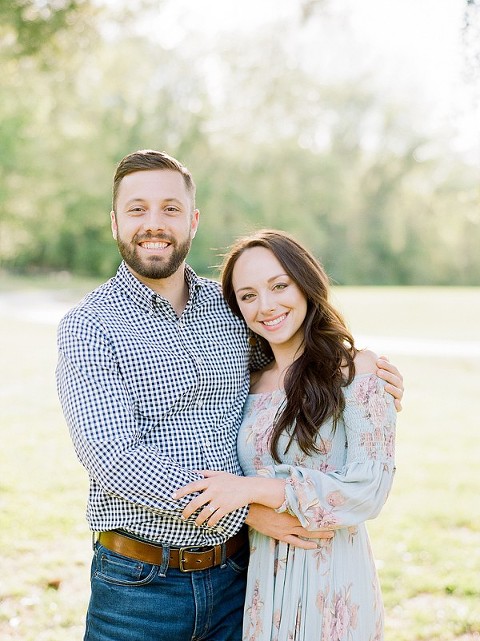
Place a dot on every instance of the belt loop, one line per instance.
(165, 561)
(223, 562)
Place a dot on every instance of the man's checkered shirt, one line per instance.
(149, 398)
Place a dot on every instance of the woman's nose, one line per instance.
(266, 304)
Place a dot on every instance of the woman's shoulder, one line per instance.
(254, 378)
(365, 362)
(265, 379)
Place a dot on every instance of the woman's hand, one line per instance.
(221, 493)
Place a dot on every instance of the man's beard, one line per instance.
(155, 267)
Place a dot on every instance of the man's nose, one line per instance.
(154, 220)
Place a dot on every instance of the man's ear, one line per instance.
(113, 221)
(195, 221)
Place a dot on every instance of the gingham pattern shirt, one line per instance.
(149, 398)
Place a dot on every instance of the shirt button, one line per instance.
(208, 443)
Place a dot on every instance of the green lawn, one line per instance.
(427, 539)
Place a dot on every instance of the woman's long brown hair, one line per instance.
(314, 381)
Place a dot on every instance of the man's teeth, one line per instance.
(275, 321)
(154, 245)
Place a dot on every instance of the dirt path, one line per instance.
(48, 307)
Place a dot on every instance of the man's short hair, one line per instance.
(148, 160)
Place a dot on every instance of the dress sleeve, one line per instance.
(355, 493)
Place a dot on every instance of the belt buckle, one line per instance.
(186, 548)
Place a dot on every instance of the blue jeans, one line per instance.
(135, 601)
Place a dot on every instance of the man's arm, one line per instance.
(394, 379)
(100, 413)
(284, 527)
(102, 422)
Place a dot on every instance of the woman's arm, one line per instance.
(330, 499)
(221, 493)
(358, 490)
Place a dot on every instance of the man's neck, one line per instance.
(174, 288)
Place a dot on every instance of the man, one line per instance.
(152, 377)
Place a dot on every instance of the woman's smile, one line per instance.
(273, 323)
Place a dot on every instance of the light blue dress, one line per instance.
(332, 593)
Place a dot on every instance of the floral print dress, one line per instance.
(331, 593)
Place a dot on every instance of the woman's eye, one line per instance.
(247, 296)
(280, 286)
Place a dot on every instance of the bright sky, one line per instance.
(411, 47)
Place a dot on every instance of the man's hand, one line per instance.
(392, 376)
(284, 527)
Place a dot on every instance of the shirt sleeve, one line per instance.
(259, 356)
(100, 415)
(355, 493)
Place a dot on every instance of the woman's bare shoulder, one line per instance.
(365, 362)
(255, 381)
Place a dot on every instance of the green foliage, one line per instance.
(274, 144)
(28, 25)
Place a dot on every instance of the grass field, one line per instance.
(427, 539)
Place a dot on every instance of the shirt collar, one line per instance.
(193, 281)
(146, 297)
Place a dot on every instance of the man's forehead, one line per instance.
(165, 183)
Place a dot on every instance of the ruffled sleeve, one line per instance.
(348, 496)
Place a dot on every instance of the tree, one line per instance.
(27, 26)
(279, 144)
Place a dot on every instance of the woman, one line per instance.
(317, 440)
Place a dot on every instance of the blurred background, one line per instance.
(355, 126)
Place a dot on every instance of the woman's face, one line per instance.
(270, 301)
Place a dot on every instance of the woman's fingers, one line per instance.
(196, 486)
(194, 505)
(209, 515)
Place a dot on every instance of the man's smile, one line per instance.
(149, 244)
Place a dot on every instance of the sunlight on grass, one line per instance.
(426, 540)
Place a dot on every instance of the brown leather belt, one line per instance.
(187, 559)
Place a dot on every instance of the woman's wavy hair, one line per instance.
(314, 381)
